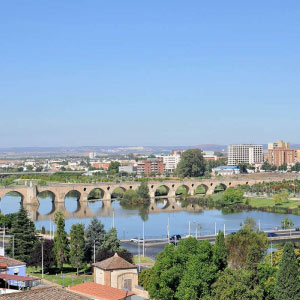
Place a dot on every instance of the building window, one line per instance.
(127, 284)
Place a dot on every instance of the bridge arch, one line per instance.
(118, 192)
(11, 202)
(162, 190)
(221, 187)
(201, 189)
(71, 201)
(96, 194)
(46, 200)
(182, 190)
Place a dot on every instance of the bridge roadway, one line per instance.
(29, 194)
(281, 236)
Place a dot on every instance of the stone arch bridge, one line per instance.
(29, 194)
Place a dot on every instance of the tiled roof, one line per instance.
(49, 293)
(11, 262)
(18, 278)
(114, 263)
(99, 291)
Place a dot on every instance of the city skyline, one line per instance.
(148, 73)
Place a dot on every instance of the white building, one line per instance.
(226, 170)
(92, 155)
(248, 154)
(171, 162)
(127, 169)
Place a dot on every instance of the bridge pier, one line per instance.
(107, 196)
(30, 198)
(172, 193)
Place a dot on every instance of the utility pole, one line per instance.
(94, 251)
(3, 241)
(143, 239)
(42, 258)
(224, 229)
(13, 246)
(189, 228)
(139, 253)
(271, 254)
(113, 224)
(168, 229)
(215, 228)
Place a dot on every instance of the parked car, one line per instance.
(271, 234)
(297, 229)
(136, 240)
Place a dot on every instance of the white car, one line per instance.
(136, 240)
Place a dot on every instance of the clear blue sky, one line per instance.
(76, 72)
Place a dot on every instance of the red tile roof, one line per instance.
(18, 278)
(11, 262)
(114, 263)
(49, 293)
(99, 291)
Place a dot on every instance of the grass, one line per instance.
(263, 202)
(54, 275)
(144, 259)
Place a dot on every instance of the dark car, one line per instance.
(297, 229)
(175, 237)
(271, 234)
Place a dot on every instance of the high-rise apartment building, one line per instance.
(249, 154)
(279, 144)
(171, 162)
(279, 153)
(151, 165)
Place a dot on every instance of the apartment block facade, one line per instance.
(171, 162)
(248, 154)
(280, 153)
(151, 165)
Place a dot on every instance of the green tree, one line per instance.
(239, 244)
(61, 242)
(113, 167)
(93, 234)
(296, 167)
(111, 241)
(185, 272)
(250, 223)
(220, 252)
(287, 280)
(191, 164)
(25, 239)
(199, 274)
(145, 278)
(287, 223)
(77, 246)
(232, 195)
(143, 191)
(236, 285)
(283, 167)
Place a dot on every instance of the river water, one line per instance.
(129, 222)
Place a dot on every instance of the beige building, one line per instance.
(280, 153)
(116, 272)
(279, 144)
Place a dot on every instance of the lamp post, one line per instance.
(42, 258)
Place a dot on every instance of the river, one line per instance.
(129, 222)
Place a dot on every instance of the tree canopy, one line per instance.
(191, 164)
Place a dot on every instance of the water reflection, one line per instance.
(128, 219)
